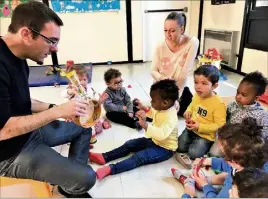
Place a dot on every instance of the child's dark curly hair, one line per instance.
(167, 89)
(257, 80)
(210, 72)
(243, 143)
(111, 74)
(251, 183)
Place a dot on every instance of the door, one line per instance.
(255, 28)
(154, 15)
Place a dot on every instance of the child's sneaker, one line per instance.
(98, 127)
(184, 160)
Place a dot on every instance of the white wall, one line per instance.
(137, 36)
(194, 18)
(94, 37)
(230, 17)
(255, 60)
(223, 17)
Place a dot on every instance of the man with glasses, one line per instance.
(26, 138)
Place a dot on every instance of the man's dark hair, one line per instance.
(243, 143)
(257, 80)
(167, 89)
(210, 72)
(32, 14)
(180, 18)
(251, 183)
(111, 74)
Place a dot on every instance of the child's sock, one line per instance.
(178, 175)
(103, 172)
(182, 178)
(97, 158)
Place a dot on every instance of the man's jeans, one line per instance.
(38, 161)
(145, 152)
(194, 145)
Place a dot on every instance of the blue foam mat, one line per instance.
(38, 77)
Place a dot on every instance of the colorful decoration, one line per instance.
(7, 6)
(63, 6)
(212, 57)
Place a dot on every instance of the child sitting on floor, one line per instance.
(245, 105)
(249, 183)
(243, 147)
(161, 135)
(118, 105)
(205, 114)
(72, 91)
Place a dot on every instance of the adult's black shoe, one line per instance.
(67, 195)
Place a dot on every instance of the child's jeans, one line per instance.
(145, 152)
(124, 119)
(194, 145)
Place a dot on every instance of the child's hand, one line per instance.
(130, 114)
(206, 162)
(192, 125)
(187, 115)
(199, 178)
(124, 108)
(103, 97)
(143, 123)
(72, 90)
(139, 105)
(141, 114)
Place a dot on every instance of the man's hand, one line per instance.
(73, 108)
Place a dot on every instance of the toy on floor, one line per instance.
(106, 124)
(212, 57)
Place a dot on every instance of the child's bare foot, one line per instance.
(103, 172)
(97, 158)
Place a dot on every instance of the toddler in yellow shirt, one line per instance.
(204, 116)
(161, 139)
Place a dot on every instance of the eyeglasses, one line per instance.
(50, 41)
(118, 82)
